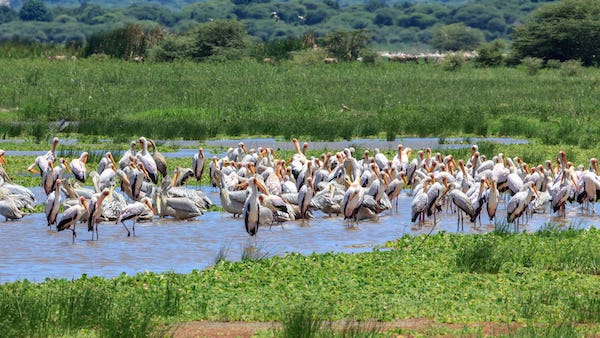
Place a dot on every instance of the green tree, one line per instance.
(566, 30)
(490, 54)
(456, 36)
(87, 13)
(219, 39)
(151, 12)
(477, 15)
(347, 45)
(126, 43)
(34, 10)
(7, 14)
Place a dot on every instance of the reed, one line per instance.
(302, 321)
(199, 101)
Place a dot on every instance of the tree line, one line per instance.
(394, 25)
(223, 30)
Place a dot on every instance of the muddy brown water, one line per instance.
(33, 251)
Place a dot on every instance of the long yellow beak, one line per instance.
(261, 186)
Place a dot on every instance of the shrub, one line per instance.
(553, 64)
(570, 67)
(532, 65)
(490, 54)
(368, 56)
(453, 61)
(308, 56)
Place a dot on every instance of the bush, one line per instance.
(369, 56)
(453, 61)
(308, 56)
(532, 65)
(553, 64)
(490, 54)
(570, 67)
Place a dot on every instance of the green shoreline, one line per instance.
(547, 279)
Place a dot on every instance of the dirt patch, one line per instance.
(417, 325)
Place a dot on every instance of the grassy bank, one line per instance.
(199, 101)
(548, 279)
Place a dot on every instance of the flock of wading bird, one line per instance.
(267, 190)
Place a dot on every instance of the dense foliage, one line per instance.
(407, 25)
(387, 99)
(567, 30)
(544, 279)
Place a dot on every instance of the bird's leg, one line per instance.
(133, 228)
(125, 226)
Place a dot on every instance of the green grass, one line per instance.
(200, 101)
(548, 281)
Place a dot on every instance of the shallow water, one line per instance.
(33, 251)
(212, 147)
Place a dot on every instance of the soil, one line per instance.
(420, 326)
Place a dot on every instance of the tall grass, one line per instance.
(551, 249)
(59, 307)
(302, 321)
(536, 284)
(198, 101)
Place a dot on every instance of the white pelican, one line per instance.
(112, 205)
(71, 216)
(252, 206)
(8, 207)
(22, 197)
(232, 201)
(197, 196)
(78, 166)
(53, 204)
(177, 207)
(134, 211)
(330, 199)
